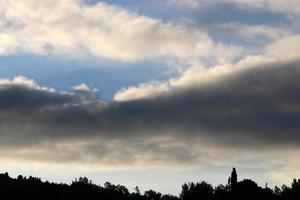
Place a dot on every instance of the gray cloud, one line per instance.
(258, 106)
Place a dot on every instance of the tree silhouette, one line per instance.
(32, 188)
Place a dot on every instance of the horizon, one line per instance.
(229, 183)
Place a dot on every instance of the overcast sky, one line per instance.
(150, 93)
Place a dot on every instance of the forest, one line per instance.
(33, 188)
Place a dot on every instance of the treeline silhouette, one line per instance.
(32, 188)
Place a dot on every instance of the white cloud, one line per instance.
(284, 49)
(76, 29)
(142, 91)
(81, 88)
(24, 82)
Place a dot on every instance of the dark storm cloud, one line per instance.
(21, 97)
(259, 105)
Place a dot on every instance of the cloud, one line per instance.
(262, 30)
(253, 32)
(76, 29)
(287, 48)
(240, 105)
(255, 106)
(282, 50)
(143, 91)
(289, 7)
(81, 88)
(22, 81)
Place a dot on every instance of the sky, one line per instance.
(150, 93)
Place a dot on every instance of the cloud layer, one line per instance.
(76, 29)
(257, 106)
(281, 50)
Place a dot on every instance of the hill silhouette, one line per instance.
(32, 188)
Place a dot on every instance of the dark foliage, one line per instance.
(32, 188)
